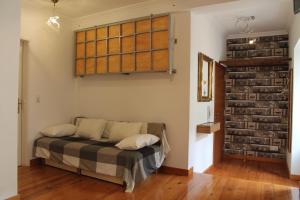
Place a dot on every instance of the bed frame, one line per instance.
(103, 177)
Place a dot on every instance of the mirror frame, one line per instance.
(201, 59)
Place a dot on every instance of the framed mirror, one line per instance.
(205, 70)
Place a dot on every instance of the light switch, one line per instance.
(208, 113)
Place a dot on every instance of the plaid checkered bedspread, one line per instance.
(101, 157)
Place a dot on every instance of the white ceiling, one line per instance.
(270, 15)
(79, 8)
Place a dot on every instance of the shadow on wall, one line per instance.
(135, 79)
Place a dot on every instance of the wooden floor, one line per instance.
(45, 183)
(254, 171)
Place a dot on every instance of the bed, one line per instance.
(101, 159)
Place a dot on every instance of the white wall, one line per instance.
(9, 62)
(208, 38)
(294, 158)
(48, 73)
(156, 97)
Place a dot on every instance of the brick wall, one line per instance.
(256, 111)
(267, 46)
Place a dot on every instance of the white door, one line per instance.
(20, 97)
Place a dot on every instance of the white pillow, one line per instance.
(138, 141)
(91, 128)
(107, 129)
(59, 130)
(121, 130)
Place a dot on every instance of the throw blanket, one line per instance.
(103, 157)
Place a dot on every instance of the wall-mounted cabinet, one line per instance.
(138, 45)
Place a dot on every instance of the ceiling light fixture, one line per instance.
(54, 20)
(244, 24)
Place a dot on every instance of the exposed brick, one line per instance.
(252, 96)
(229, 54)
(282, 104)
(228, 111)
(251, 153)
(266, 39)
(240, 54)
(251, 111)
(234, 152)
(279, 81)
(279, 52)
(280, 68)
(228, 138)
(278, 156)
(266, 119)
(241, 104)
(241, 139)
(251, 125)
(241, 89)
(229, 82)
(272, 68)
(241, 75)
(227, 145)
(282, 149)
(238, 118)
(259, 53)
(264, 154)
(237, 69)
(281, 38)
(266, 104)
(266, 75)
(272, 127)
(235, 124)
(260, 140)
(253, 82)
(266, 45)
(269, 89)
(252, 69)
(239, 47)
(286, 52)
(244, 132)
(263, 148)
(236, 96)
(280, 112)
(237, 41)
(284, 74)
(277, 142)
(264, 134)
(272, 97)
(235, 146)
(283, 44)
(282, 135)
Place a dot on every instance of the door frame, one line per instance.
(216, 148)
(22, 144)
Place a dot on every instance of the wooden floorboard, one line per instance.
(275, 173)
(43, 183)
